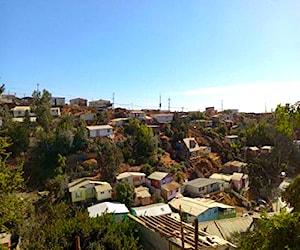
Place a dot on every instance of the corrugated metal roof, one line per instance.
(169, 228)
(222, 177)
(128, 174)
(201, 182)
(195, 206)
(226, 227)
(152, 210)
(237, 176)
(107, 207)
(171, 186)
(157, 175)
(99, 127)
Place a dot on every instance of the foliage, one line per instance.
(54, 226)
(2, 89)
(80, 139)
(11, 180)
(277, 232)
(124, 193)
(41, 106)
(157, 198)
(292, 194)
(287, 119)
(141, 145)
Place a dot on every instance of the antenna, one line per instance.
(37, 87)
(159, 101)
(169, 101)
(265, 107)
(113, 104)
(222, 105)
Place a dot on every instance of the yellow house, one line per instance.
(85, 188)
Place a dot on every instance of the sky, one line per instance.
(233, 54)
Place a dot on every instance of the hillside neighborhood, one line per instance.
(183, 180)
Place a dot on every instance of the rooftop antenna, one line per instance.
(221, 105)
(159, 101)
(113, 104)
(37, 86)
(169, 101)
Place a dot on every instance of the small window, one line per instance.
(90, 190)
(78, 194)
(102, 192)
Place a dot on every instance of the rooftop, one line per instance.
(152, 210)
(157, 175)
(202, 182)
(128, 174)
(169, 228)
(98, 127)
(107, 207)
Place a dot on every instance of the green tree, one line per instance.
(124, 193)
(81, 137)
(11, 181)
(2, 89)
(292, 194)
(41, 106)
(280, 231)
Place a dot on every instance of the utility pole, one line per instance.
(221, 105)
(169, 101)
(37, 87)
(113, 104)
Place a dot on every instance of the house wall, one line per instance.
(226, 213)
(100, 132)
(164, 119)
(210, 214)
(168, 195)
(76, 198)
(103, 195)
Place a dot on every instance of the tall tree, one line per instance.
(124, 193)
(41, 106)
(292, 194)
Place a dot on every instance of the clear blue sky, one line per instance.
(197, 53)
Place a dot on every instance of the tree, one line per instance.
(292, 194)
(280, 231)
(124, 193)
(11, 181)
(81, 137)
(41, 106)
(54, 226)
(2, 89)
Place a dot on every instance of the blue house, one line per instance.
(202, 209)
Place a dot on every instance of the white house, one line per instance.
(55, 112)
(20, 111)
(138, 114)
(134, 178)
(100, 131)
(163, 118)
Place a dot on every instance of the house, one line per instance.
(234, 166)
(7, 99)
(210, 111)
(163, 118)
(191, 149)
(100, 104)
(266, 149)
(100, 131)
(232, 139)
(58, 101)
(240, 181)
(118, 122)
(155, 129)
(117, 209)
(142, 196)
(137, 114)
(202, 209)
(205, 123)
(87, 117)
(85, 188)
(170, 190)
(164, 233)
(21, 111)
(237, 181)
(134, 178)
(202, 186)
(78, 102)
(152, 210)
(5, 241)
(55, 111)
(157, 179)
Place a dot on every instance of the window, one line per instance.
(102, 192)
(90, 191)
(78, 194)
